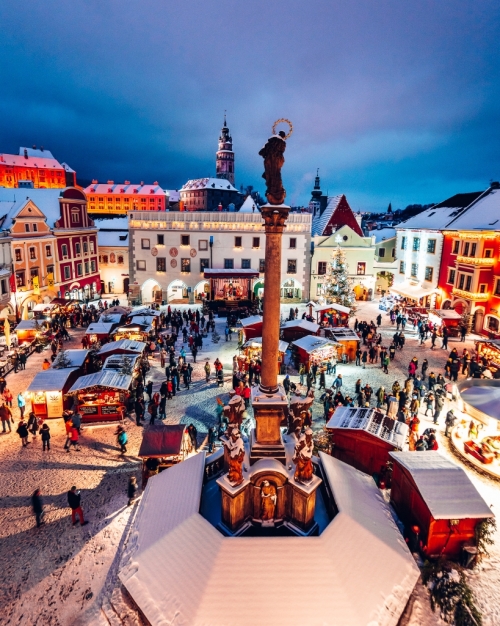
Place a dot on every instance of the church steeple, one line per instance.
(318, 201)
(225, 156)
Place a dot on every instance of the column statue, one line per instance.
(268, 500)
(236, 449)
(303, 457)
(273, 153)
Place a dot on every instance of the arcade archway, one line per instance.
(177, 291)
(150, 291)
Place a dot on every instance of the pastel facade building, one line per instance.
(113, 244)
(34, 168)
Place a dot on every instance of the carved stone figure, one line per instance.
(273, 154)
(236, 449)
(233, 412)
(268, 500)
(303, 457)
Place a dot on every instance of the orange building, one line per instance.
(36, 169)
(123, 197)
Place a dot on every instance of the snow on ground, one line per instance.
(64, 575)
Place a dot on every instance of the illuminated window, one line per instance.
(361, 269)
(428, 273)
(91, 247)
(321, 268)
(18, 255)
(291, 266)
(431, 246)
(451, 277)
(161, 264)
(32, 254)
(185, 265)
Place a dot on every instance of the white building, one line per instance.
(113, 244)
(169, 252)
(6, 309)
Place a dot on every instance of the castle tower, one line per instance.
(225, 155)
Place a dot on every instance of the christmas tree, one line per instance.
(338, 285)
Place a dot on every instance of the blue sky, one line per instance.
(393, 101)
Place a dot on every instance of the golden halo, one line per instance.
(284, 120)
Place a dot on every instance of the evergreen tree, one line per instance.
(389, 208)
(63, 361)
(126, 366)
(338, 285)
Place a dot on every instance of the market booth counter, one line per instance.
(135, 332)
(312, 349)
(252, 326)
(163, 446)
(296, 329)
(347, 338)
(446, 318)
(330, 315)
(102, 397)
(437, 497)
(252, 350)
(489, 349)
(48, 390)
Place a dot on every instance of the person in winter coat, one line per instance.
(33, 424)
(193, 435)
(207, 371)
(131, 490)
(364, 358)
(163, 407)
(421, 445)
(385, 363)
(380, 396)
(22, 431)
(74, 501)
(77, 421)
(7, 396)
(74, 436)
(5, 417)
(37, 505)
(450, 421)
(153, 412)
(337, 383)
(322, 379)
(429, 403)
(122, 439)
(45, 433)
(21, 403)
(438, 406)
(424, 368)
(432, 443)
(149, 389)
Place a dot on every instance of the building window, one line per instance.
(4, 286)
(468, 283)
(414, 270)
(497, 287)
(402, 267)
(451, 277)
(319, 289)
(185, 240)
(256, 242)
(203, 244)
(465, 251)
(34, 273)
(293, 242)
(74, 217)
(120, 259)
(291, 267)
(32, 254)
(27, 228)
(35, 228)
(18, 255)
(488, 253)
(161, 264)
(428, 273)
(204, 264)
(321, 268)
(262, 265)
(416, 244)
(79, 269)
(92, 247)
(246, 264)
(50, 269)
(85, 247)
(67, 272)
(93, 267)
(160, 240)
(237, 242)
(473, 249)
(381, 252)
(141, 265)
(456, 246)
(492, 324)
(48, 251)
(431, 246)
(403, 243)
(145, 244)
(185, 265)
(393, 253)
(77, 249)
(21, 278)
(483, 287)
(105, 259)
(86, 267)
(228, 264)
(361, 269)
(461, 280)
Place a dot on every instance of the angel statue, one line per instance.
(303, 457)
(273, 153)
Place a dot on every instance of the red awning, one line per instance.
(231, 274)
(162, 440)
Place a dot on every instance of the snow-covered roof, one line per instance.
(382, 234)
(123, 344)
(371, 421)
(249, 206)
(142, 320)
(438, 216)
(44, 307)
(99, 328)
(483, 214)
(110, 318)
(50, 380)
(406, 288)
(304, 324)
(46, 161)
(257, 341)
(311, 343)
(252, 320)
(337, 307)
(76, 358)
(173, 195)
(104, 378)
(208, 183)
(36, 152)
(144, 310)
(29, 325)
(340, 333)
(319, 224)
(444, 486)
(358, 571)
(118, 189)
(47, 200)
(116, 361)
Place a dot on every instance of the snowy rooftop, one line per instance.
(249, 206)
(208, 183)
(304, 324)
(122, 344)
(371, 421)
(319, 224)
(358, 571)
(257, 341)
(382, 234)
(483, 214)
(438, 216)
(310, 343)
(251, 321)
(99, 328)
(46, 161)
(336, 307)
(124, 189)
(76, 358)
(340, 333)
(103, 378)
(444, 486)
(50, 380)
(47, 200)
(116, 361)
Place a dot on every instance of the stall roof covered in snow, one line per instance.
(179, 562)
(304, 324)
(99, 328)
(251, 321)
(104, 378)
(335, 307)
(444, 486)
(29, 325)
(310, 343)
(116, 361)
(371, 421)
(129, 345)
(257, 341)
(144, 310)
(162, 440)
(76, 358)
(340, 333)
(44, 306)
(51, 380)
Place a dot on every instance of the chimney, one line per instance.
(142, 183)
(155, 183)
(94, 182)
(41, 148)
(25, 153)
(34, 147)
(127, 182)
(495, 185)
(111, 182)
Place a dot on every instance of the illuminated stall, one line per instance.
(295, 329)
(123, 346)
(135, 332)
(252, 351)
(230, 290)
(252, 327)
(103, 396)
(99, 331)
(311, 350)
(29, 330)
(331, 315)
(47, 391)
(161, 447)
(348, 340)
(489, 352)
(448, 318)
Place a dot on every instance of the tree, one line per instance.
(126, 366)
(338, 285)
(389, 208)
(63, 361)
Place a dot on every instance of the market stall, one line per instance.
(103, 396)
(488, 352)
(348, 339)
(43, 311)
(135, 332)
(413, 295)
(29, 330)
(120, 362)
(123, 346)
(311, 349)
(252, 351)
(81, 359)
(66, 306)
(161, 447)
(47, 391)
(295, 329)
(99, 331)
(330, 315)
(448, 318)
(252, 326)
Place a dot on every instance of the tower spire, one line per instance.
(225, 123)
(224, 164)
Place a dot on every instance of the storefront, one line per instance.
(252, 351)
(47, 391)
(331, 315)
(102, 397)
(135, 332)
(414, 295)
(315, 350)
(488, 351)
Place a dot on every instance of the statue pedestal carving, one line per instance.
(266, 440)
(302, 502)
(235, 506)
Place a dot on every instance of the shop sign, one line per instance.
(54, 404)
(36, 286)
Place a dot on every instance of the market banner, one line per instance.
(36, 285)
(54, 401)
(12, 282)
(50, 279)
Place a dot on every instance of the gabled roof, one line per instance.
(252, 320)
(439, 216)
(208, 183)
(51, 379)
(382, 234)
(304, 324)
(249, 206)
(76, 358)
(123, 344)
(338, 213)
(311, 343)
(371, 421)
(482, 214)
(104, 378)
(118, 189)
(46, 161)
(47, 200)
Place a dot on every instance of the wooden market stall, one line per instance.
(136, 332)
(29, 330)
(102, 397)
(311, 349)
(47, 391)
(448, 318)
(99, 331)
(363, 437)
(123, 346)
(488, 351)
(295, 329)
(82, 359)
(347, 338)
(117, 362)
(252, 350)
(437, 496)
(161, 447)
(252, 327)
(330, 315)
(43, 311)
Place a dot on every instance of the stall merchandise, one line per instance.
(348, 339)
(252, 351)
(99, 331)
(43, 311)
(312, 350)
(161, 447)
(48, 390)
(332, 315)
(490, 350)
(136, 332)
(102, 396)
(295, 329)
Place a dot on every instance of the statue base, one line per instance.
(269, 413)
(235, 506)
(302, 503)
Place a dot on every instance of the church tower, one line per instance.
(318, 201)
(225, 155)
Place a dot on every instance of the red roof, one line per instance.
(342, 216)
(162, 440)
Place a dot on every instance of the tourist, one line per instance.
(432, 443)
(22, 431)
(37, 505)
(77, 421)
(193, 435)
(68, 424)
(33, 424)
(21, 404)
(364, 358)
(212, 438)
(45, 364)
(132, 490)
(45, 434)
(74, 436)
(153, 412)
(207, 371)
(122, 439)
(5, 417)
(74, 501)
(450, 421)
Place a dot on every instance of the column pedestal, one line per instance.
(266, 440)
(302, 502)
(235, 506)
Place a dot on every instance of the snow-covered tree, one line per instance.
(337, 284)
(126, 366)
(62, 361)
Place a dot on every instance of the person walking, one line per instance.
(122, 439)
(21, 404)
(207, 371)
(358, 356)
(302, 373)
(450, 421)
(37, 505)
(33, 424)
(5, 417)
(22, 431)
(153, 412)
(73, 439)
(45, 434)
(364, 358)
(444, 345)
(74, 501)
(337, 383)
(132, 490)
(438, 406)
(8, 397)
(385, 364)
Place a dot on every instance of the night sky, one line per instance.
(394, 101)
